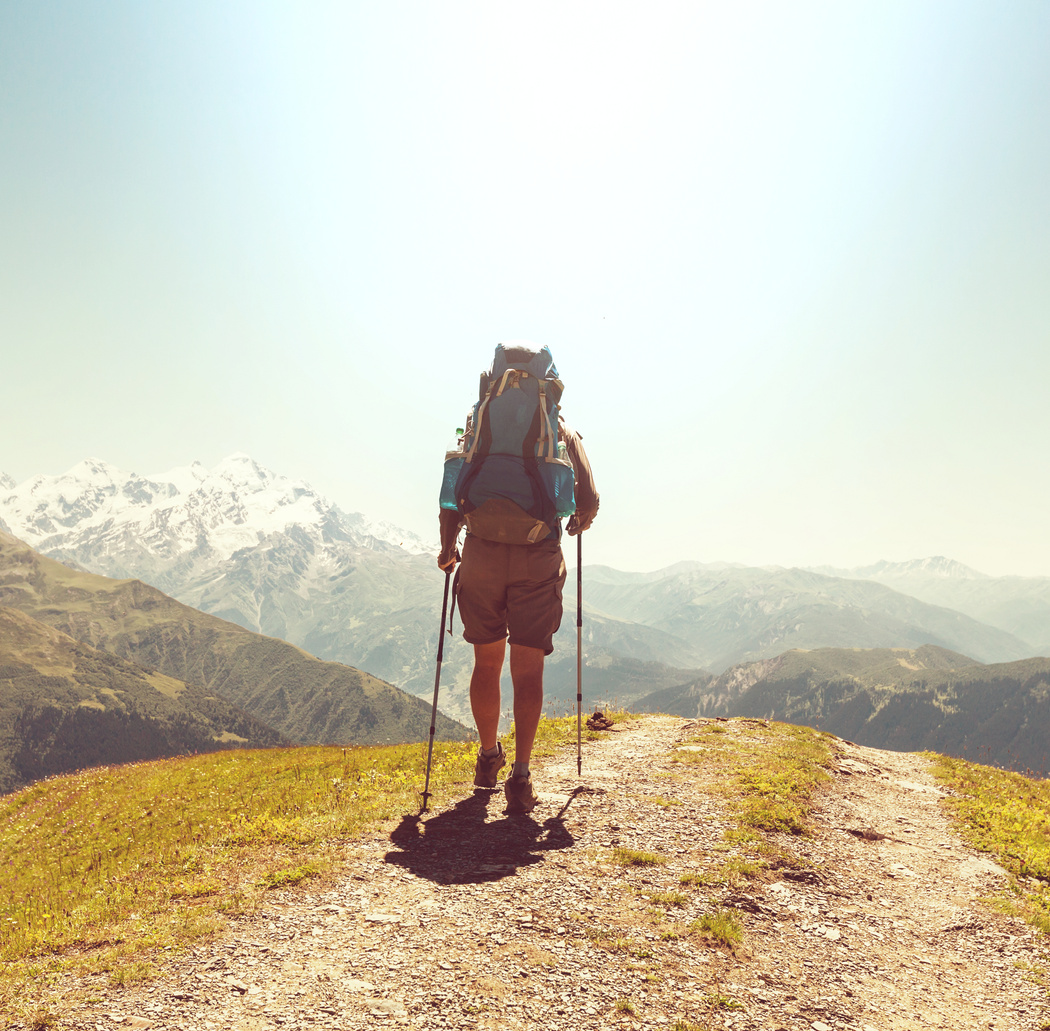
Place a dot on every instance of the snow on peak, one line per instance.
(189, 509)
(184, 478)
(241, 468)
(934, 566)
(6, 482)
(95, 470)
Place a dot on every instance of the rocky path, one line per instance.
(470, 919)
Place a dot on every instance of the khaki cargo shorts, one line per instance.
(511, 588)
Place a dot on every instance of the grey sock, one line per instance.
(520, 770)
(488, 753)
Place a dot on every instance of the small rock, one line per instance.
(599, 721)
(386, 1008)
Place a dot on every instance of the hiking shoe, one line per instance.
(521, 798)
(487, 768)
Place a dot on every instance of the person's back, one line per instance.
(517, 471)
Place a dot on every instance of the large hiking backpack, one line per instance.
(508, 476)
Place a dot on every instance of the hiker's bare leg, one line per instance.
(484, 690)
(526, 670)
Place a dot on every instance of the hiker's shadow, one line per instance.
(464, 846)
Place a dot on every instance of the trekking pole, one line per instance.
(579, 654)
(437, 682)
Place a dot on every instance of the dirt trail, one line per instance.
(470, 919)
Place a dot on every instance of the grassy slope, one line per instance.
(300, 696)
(1007, 815)
(65, 705)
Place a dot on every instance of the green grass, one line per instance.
(777, 787)
(104, 867)
(718, 1001)
(721, 926)
(1007, 815)
(288, 878)
(667, 898)
(633, 857)
(737, 871)
(660, 800)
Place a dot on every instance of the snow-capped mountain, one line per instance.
(6, 482)
(167, 527)
(936, 567)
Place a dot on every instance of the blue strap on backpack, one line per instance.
(509, 479)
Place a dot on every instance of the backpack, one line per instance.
(508, 476)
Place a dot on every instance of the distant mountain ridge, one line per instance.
(1020, 605)
(733, 614)
(898, 698)
(936, 566)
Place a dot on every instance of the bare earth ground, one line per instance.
(470, 919)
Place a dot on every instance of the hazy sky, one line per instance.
(792, 259)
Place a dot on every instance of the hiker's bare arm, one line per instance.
(449, 522)
(586, 495)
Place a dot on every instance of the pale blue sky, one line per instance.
(793, 260)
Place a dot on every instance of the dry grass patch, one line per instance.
(528, 955)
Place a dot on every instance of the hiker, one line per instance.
(518, 469)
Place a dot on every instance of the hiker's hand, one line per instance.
(446, 562)
(573, 527)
